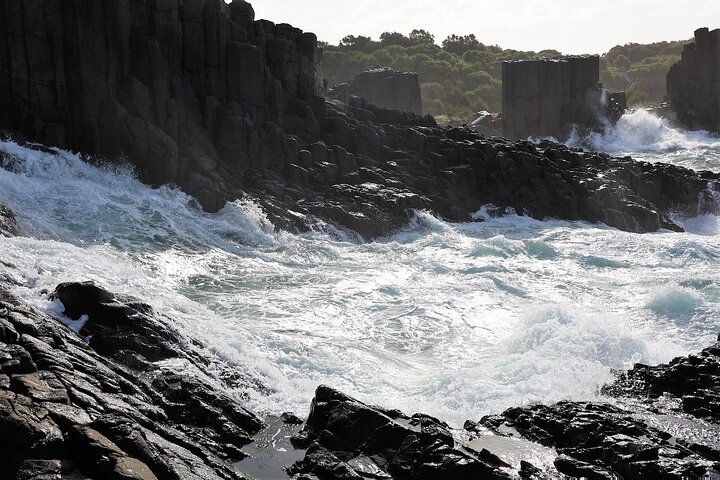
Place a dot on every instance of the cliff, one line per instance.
(192, 92)
(693, 84)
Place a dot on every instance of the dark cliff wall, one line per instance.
(693, 84)
(545, 97)
(193, 92)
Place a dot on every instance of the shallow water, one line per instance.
(456, 320)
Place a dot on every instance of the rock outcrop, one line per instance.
(693, 84)
(129, 397)
(384, 88)
(694, 380)
(454, 171)
(603, 441)
(108, 410)
(547, 97)
(346, 439)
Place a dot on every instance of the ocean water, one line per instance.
(455, 320)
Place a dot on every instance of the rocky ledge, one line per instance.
(133, 401)
(378, 164)
(128, 397)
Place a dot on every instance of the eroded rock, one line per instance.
(67, 410)
(350, 440)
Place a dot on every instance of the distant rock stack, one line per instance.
(384, 88)
(546, 97)
(693, 84)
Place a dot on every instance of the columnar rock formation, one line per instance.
(693, 84)
(545, 97)
(385, 88)
(193, 92)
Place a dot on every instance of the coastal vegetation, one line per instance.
(461, 75)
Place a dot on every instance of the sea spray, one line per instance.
(454, 319)
(646, 136)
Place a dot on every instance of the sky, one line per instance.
(570, 26)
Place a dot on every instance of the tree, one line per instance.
(459, 44)
(421, 36)
(394, 38)
(622, 63)
(360, 43)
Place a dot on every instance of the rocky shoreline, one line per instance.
(202, 95)
(129, 397)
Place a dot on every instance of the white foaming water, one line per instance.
(456, 320)
(645, 136)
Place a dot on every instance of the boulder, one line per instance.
(351, 440)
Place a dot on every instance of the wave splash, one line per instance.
(645, 136)
(458, 320)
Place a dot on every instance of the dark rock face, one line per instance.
(595, 440)
(66, 410)
(693, 84)
(384, 88)
(694, 380)
(376, 164)
(193, 92)
(8, 223)
(347, 439)
(546, 97)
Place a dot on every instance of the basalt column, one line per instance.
(545, 97)
(385, 88)
(693, 84)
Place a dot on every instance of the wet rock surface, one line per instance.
(129, 397)
(66, 409)
(454, 171)
(597, 440)
(693, 380)
(347, 439)
(650, 433)
(8, 223)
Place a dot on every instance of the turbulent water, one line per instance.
(456, 320)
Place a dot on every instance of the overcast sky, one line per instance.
(570, 26)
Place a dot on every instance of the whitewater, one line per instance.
(454, 320)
